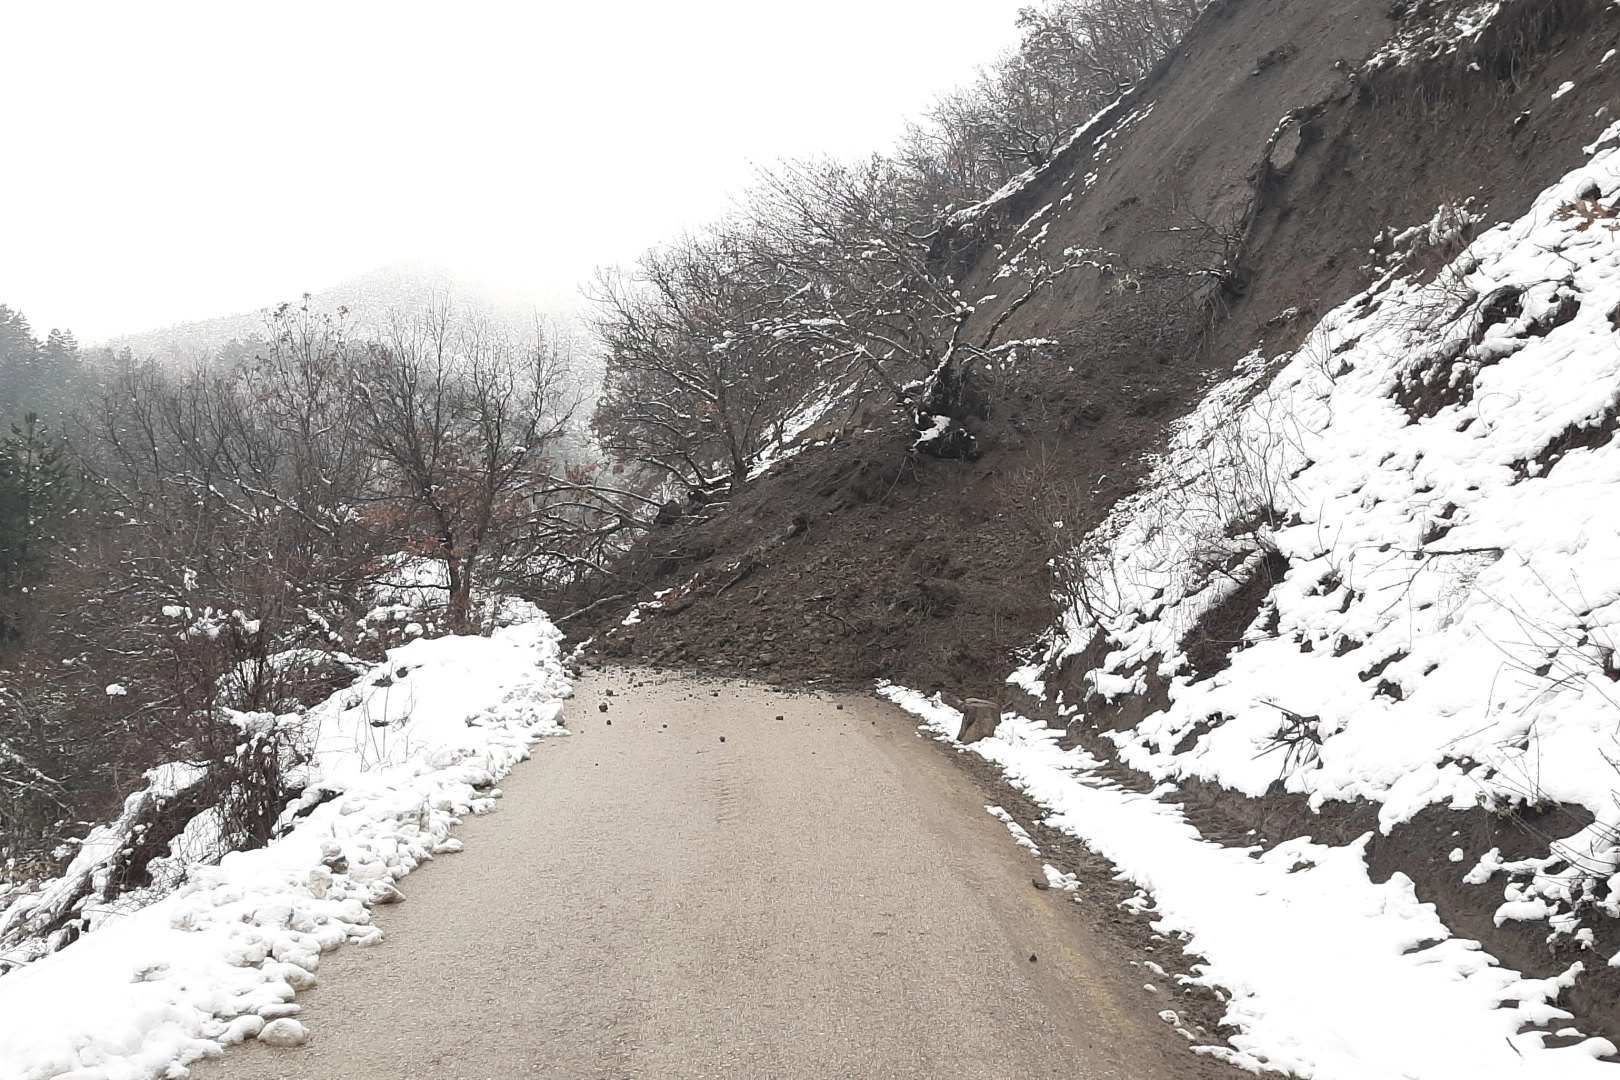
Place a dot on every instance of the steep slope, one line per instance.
(1371, 587)
(1224, 202)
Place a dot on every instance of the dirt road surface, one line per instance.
(718, 880)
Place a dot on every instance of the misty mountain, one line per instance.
(370, 298)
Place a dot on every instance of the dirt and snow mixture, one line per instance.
(1382, 567)
(399, 757)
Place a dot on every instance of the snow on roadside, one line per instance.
(399, 758)
(1328, 975)
(1425, 489)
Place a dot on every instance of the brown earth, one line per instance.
(858, 559)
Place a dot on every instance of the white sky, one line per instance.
(170, 161)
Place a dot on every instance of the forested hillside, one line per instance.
(215, 523)
(1044, 337)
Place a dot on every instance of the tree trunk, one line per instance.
(946, 399)
(458, 576)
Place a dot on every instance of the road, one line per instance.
(714, 879)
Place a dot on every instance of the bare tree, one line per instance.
(861, 291)
(1072, 59)
(461, 419)
(827, 279)
(697, 383)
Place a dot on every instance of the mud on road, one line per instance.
(713, 878)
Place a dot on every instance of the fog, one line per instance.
(179, 161)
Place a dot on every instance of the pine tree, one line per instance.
(38, 493)
(61, 348)
(19, 356)
(36, 376)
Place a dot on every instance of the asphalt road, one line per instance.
(701, 889)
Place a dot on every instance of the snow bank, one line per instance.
(1435, 469)
(1328, 975)
(399, 757)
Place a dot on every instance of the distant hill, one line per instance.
(369, 298)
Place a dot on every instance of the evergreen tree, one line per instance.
(19, 356)
(35, 376)
(61, 348)
(38, 494)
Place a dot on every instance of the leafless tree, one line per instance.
(860, 290)
(825, 279)
(1072, 59)
(697, 382)
(461, 419)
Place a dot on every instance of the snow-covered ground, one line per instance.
(1426, 493)
(399, 757)
(1327, 974)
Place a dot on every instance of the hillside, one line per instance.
(1332, 396)
(369, 298)
(1232, 199)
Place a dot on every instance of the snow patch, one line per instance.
(221, 959)
(1328, 974)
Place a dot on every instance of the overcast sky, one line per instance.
(167, 161)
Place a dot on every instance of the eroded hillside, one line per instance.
(1252, 182)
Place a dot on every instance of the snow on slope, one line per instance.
(1425, 494)
(406, 751)
(1323, 968)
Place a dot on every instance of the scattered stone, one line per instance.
(840, 708)
(277, 1010)
(602, 707)
(284, 1032)
(1032, 958)
(722, 738)
(610, 692)
(610, 723)
(1040, 883)
(779, 716)
(980, 718)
